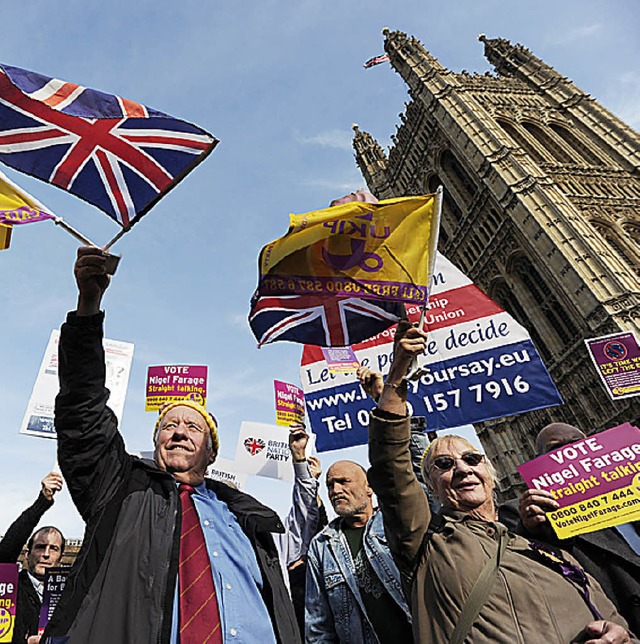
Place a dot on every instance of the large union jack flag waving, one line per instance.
(116, 154)
(323, 321)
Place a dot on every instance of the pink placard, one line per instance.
(289, 403)
(596, 481)
(340, 359)
(170, 383)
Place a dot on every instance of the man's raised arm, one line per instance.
(90, 449)
(403, 502)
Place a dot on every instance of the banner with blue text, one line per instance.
(480, 363)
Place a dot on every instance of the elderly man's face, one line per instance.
(45, 552)
(183, 445)
(349, 490)
(464, 487)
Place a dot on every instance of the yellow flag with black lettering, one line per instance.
(369, 250)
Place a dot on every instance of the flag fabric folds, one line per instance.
(5, 236)
(376, 60)
(17, 207)
(321, 321)
(373, 251)
(120, 156)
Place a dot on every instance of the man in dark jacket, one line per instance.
(125, 585)
(605, 554)
(44, 550)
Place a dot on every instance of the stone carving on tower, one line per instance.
(541, 210)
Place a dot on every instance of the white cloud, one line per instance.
(579, 33)
(340, 139)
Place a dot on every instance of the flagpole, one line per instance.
(115, 239)
(59, 221)
(415, 372)
(433, 249)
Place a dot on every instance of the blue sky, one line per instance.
(280, 84)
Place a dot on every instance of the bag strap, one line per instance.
(480, 592)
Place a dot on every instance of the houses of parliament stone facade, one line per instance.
(541, 209)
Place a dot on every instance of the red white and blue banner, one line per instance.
(118, 155)
(480, 362)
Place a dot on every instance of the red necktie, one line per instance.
(199, 614)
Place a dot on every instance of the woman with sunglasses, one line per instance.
(467, 578)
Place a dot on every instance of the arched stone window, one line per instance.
(576, 144)
(549, 143)
(555, 314)
(617, 244)
(462, 186)
(507, 299)
(519, 139)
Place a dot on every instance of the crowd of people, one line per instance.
(170, 555)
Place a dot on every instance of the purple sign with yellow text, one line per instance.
(617, 361)
(596, 481)
(171, 383)
(289, 403)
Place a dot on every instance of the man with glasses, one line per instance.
(468, 578)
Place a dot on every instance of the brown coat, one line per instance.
(528, 603)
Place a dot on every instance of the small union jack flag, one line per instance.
(323, 321)
(254, 445)
(376, 60)
(118, 155)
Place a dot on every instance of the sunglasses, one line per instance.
(445, 463)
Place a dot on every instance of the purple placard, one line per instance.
(8, 599)
(594, 481)
(170, 383)
(54, 582)
(340, 359)
(289, 403)
(617, 361)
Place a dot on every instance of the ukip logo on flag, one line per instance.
(17, 207)
(120, 156)
(367, 250)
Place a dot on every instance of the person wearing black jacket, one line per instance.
(123, 587)
(605, 554)
(44, 550)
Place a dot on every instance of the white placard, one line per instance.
(38, 419)
(263, 450)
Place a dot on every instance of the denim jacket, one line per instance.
(334, 609)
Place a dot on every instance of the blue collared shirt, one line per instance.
(236, 574)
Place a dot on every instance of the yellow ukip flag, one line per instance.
(17, 207)
(5, 236)
(360, 249)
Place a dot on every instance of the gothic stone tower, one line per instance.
(541, 210)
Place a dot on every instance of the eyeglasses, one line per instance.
(445, 463)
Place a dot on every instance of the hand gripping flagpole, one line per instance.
(416, 372)
(112, 260)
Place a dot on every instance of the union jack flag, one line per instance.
(323, 321)
(254, 445)
(118, 155)
(376, 60)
